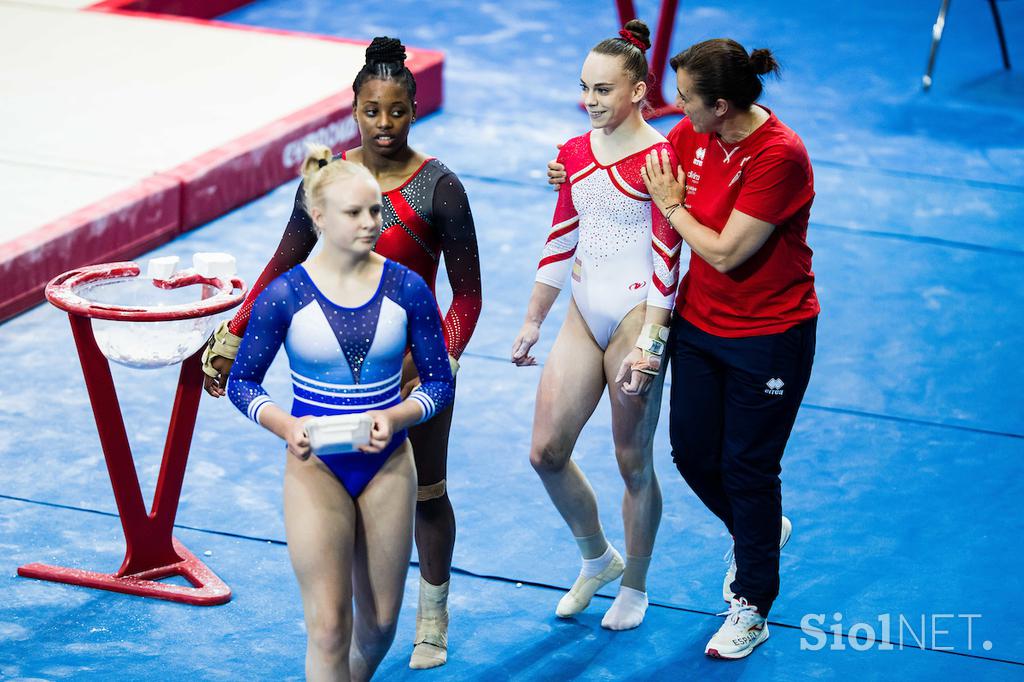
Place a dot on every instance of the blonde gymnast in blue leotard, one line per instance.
(346, 318)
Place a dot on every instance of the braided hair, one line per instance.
(385, 60)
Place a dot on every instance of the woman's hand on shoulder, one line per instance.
(556, 172)
(665, 184)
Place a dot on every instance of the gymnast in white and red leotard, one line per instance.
(621, 252)
(623, 256)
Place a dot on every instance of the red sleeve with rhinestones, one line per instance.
(453, 221)
(296, 244)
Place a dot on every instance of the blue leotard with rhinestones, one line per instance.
(345, 360)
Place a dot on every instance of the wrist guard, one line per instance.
(222, 344)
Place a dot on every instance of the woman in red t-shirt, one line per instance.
(743, 338)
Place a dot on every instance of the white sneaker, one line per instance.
(730, 574)
(744, 629)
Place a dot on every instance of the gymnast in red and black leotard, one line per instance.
(426, 215)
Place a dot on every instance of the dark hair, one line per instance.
(634, 59)
(385, 59)
(721, 69)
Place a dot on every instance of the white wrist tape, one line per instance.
(652, 339)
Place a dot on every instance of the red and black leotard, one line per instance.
(428, 215)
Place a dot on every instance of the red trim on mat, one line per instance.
(416, 57)
(156, 210)
(246, 167)
(200, 9)
(127, 223)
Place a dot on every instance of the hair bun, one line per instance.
(640, 31)
(384, 50)
(763, 62)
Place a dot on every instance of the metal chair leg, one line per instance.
(999, 31)
(940, 24)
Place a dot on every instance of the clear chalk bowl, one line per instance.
(152, 321)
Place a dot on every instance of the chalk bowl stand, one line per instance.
(159, 320)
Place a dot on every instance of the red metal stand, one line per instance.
(659, 57)
(152, 551)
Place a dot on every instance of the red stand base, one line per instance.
(151, 550)
(207, 590)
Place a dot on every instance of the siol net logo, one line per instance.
(947, 632)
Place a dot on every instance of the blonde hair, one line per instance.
(320, 169)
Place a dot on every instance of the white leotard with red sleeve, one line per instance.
(620, 249)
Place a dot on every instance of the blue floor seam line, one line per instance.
(512, 581)
(911, 420)
(919, 239)
(815, 161)
(968, 182)
(698, 612)
(841, 410)
(864, 232)
(942, 179)
(100, 512)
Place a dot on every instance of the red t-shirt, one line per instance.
(767, 176)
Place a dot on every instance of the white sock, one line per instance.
(627, 611)
(592, 567)
(595, 574)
